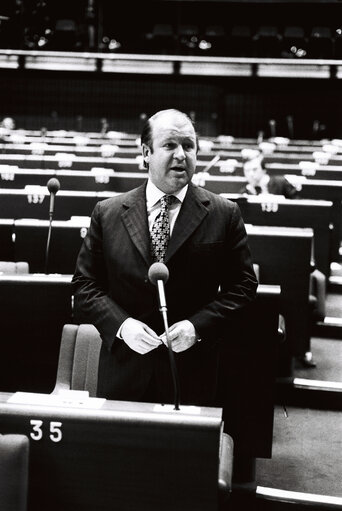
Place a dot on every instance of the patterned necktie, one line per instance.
(160, 232)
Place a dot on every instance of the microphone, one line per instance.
(53, 186)
(158, 275)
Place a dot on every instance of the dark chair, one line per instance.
(188, 39)
(267, 41)
(161, 40)
(320, 44)
(64, 35)
(318, 293)
(317, 301)
(293, 40)
(214, 41)
(14, 464)
(338, 44)
(78, 370)
(240, 42)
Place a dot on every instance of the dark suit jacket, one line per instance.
(211, 278)
(278, 185)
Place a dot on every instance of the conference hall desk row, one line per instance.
(102, 171)
(127, 161)
(270, 248)
(34, 309)
(316, 214)
(118, 137)
(98, 138)
(206, 152)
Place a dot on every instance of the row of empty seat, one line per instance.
(247, 41)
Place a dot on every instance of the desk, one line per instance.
(38, 306)
(293, 213)
(284, 256)
(65, 243)
(35, 203)
(325, 172)
(120, 455)
(247, 373)
(316, 189)
(327, 190)
(101, 180)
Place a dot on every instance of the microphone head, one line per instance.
(53, 185)
(158, 271)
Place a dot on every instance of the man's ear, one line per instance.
(146, 153)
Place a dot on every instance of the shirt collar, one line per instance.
(153, 194)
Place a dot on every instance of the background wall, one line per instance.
(232, 106)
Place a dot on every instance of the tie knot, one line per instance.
(167, 200)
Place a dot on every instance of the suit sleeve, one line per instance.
(92, 304)
(238, 283)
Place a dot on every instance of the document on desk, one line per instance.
(67, 398)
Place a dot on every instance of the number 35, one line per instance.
(37, 433)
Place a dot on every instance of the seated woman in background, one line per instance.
(259, 182)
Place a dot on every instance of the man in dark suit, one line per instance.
(260, 182)
(211, 276)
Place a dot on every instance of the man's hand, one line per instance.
(139, 337)
(182, 336)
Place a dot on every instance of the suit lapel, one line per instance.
(192, 213)
(134, 217)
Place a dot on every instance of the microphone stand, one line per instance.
(163, 310)
(48, 242)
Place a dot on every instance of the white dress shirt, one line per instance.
(153, 196)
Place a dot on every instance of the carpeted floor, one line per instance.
(333, 305)
(307, 452)
(328, 356)
(307, 445)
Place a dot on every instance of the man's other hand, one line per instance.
(182, 336)
(139, 337)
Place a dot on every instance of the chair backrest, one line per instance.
(14, 268)
(14, 462)
(78, 359)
